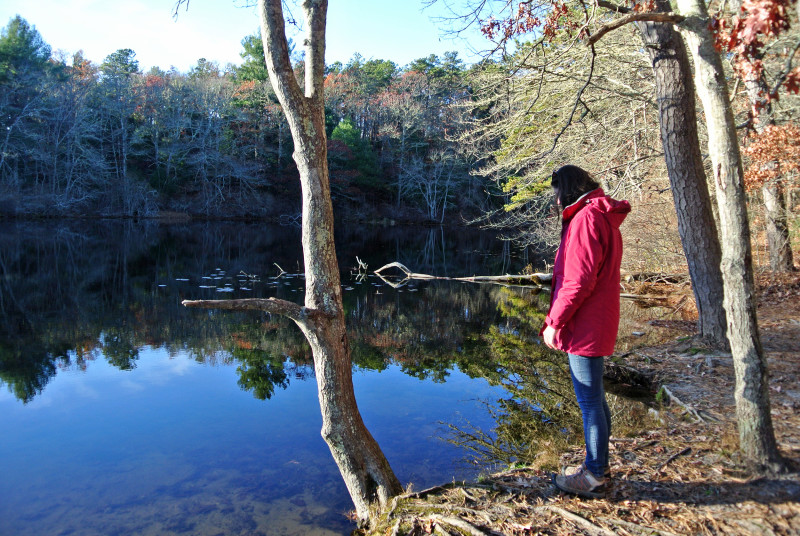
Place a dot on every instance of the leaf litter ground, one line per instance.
(684, 476)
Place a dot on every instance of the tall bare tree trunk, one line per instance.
(687, 177)
(365, 470)
(756, 435)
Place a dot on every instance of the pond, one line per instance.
(123, 412)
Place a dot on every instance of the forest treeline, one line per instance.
(80, 138)
(435, 140)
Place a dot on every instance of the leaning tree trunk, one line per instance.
(365, 470)
(678, 124)
(756, 435)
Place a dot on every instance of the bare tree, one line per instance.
(363, 466)
(756, 434)
(675, 94)
(536, 104)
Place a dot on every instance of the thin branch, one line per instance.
(613, 7)
(581, 521)
(634, 17)
(178, 5)
(298, 313)
(684, 452)
(786, 69)
(578, 100)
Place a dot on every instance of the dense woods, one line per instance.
(435, 140)
(111, 140)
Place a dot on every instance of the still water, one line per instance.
(122, 412)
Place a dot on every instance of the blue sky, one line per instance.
(397, 30)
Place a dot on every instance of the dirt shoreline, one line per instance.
(683, 476)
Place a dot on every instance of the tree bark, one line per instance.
(778, 243)
(756, 435)
(678, 125)
(363, 466)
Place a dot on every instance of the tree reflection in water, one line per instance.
(71, 293)
(541, 417)
(85, 292)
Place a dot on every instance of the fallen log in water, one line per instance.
(541, 280)
(520, 279)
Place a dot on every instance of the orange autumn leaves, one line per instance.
(774, 154)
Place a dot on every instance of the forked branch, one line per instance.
(633, 17)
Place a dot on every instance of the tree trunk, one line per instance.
(778, 243)
(365, 470)
(678, 124)
(756, 435)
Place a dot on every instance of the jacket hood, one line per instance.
(615, 211)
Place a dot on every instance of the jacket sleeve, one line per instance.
(583, 255)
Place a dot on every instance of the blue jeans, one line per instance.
(587, 379)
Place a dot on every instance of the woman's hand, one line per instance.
(549, 336)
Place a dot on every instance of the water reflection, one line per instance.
(538, 418)
(95, 344)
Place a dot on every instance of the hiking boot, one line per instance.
(568, 470)
(582, 483)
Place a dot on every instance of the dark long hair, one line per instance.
(570, 182)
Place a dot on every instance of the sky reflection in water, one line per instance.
(174, 445)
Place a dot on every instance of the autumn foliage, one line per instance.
(774, 154)
(745, 35)
(529, 17)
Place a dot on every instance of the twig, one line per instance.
(459, 524)
(649, 531)
(690, 409)
(282, 271)
(786, 69)
(425, 492)
(613, 7)
(575, 518)
(685, 451)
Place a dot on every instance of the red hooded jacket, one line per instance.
(584, 305)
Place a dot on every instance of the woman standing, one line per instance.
(584, 310)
